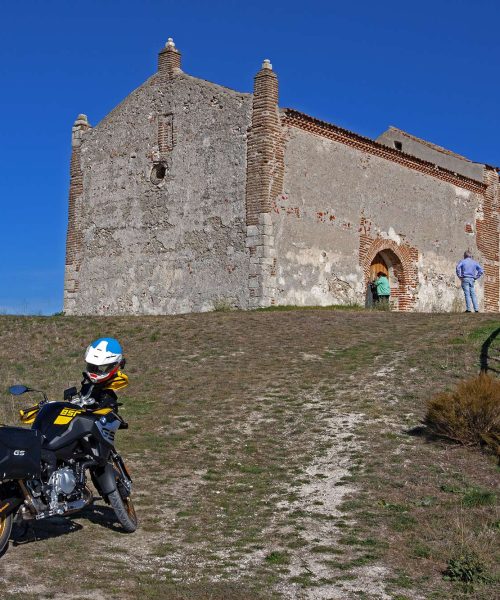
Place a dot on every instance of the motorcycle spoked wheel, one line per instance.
(5, 530)
(123, 506)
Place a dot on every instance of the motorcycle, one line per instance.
(43, 470)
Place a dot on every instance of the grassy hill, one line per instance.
(271, 459)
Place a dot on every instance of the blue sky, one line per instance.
(430, 68)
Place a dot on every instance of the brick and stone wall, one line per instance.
(265, 171)
(160, 201)
(190, 196)
(346, 198)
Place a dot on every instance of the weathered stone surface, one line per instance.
(175, 247)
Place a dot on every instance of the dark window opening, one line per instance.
(158, 173)
(398, 145)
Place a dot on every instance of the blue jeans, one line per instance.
(468, 288)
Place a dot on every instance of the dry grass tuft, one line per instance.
(469, 415)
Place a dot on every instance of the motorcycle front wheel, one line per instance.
(124, 507)
(5, 529)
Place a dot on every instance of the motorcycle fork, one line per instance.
(118, 460)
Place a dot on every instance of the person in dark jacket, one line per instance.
(468, 270)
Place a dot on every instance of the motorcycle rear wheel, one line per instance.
(5, 530)
(124, 511)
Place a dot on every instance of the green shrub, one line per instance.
(479, 497)
(469, 415)
(465, 567)
(277, 558)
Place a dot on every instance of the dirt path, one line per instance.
(326, 491)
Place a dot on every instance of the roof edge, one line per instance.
(323, 128)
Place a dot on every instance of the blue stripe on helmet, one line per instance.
(112, 346)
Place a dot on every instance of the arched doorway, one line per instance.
(387, 261)
(400, 260)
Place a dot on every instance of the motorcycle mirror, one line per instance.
(17, 390)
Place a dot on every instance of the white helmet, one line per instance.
(103, 357)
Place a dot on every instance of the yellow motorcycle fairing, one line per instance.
(119, 381)
(27, 416)
(102, 411)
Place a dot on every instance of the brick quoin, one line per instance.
(488, 239)
(265, 148)
(264, 183)
(406, 272)
(74, 236)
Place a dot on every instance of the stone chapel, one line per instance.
(190, 196)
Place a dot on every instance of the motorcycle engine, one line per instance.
(63, 481)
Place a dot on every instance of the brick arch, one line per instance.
(405, 268)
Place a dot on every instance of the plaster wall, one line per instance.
(334, 193)
(447, 160)
(177, 246)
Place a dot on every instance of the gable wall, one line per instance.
(174, 247)
(443, 158)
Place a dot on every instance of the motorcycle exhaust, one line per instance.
(63, 509)
(79, 504)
